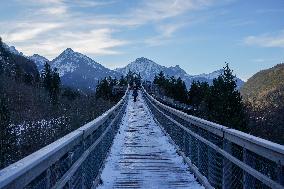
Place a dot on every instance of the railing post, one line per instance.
(247, 183)
(198, 156)
(227, 166)
(280, 173)
(83, 169)
(184, 142)
(48, 174)
(70, 162)
(210, 165)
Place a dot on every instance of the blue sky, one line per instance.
(198, 35)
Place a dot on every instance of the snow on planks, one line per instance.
(142, 157)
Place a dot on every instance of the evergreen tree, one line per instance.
(47, 77)
(160, 79)
(104, 90)
(18, 73)
(180, 91)
(122, 81)
(55, 86)
(197, 93)
(225, 102)
(51, 82)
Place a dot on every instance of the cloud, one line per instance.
(158, 10)
(50, 26)
(94, 42)
(166, 32)
(266, 40)
(27, 31)
(59, 10)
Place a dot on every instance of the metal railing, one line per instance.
(74, 161)
(219, 156)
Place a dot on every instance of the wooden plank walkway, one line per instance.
(142, 156)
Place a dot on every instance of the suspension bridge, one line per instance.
(146, 144)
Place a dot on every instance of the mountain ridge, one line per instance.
(74, 66)
(148, 69)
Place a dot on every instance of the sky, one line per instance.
(198, 35)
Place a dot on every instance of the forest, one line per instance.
(36, 109)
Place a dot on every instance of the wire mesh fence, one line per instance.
(225, 164)
(76, 160)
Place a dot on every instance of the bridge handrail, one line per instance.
(220, 156)
(22, 172)
(258, 145)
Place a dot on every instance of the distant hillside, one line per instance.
(264, 94)
(265, 88)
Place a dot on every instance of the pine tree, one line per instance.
(225, 102)
(55, 86)
(47, 77)
(122, 81)
(18, 73)
(197, 93)
(104, 90)
(179, 91)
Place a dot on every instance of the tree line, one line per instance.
(220, 102)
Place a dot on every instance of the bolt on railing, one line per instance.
(73, 161)
(219, 156)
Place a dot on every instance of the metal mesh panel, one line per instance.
(219, 171)
(88, 171)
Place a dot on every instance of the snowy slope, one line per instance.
(39, 61)
(80, 71)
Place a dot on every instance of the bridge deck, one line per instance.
(142, 156)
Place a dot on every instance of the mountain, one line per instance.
(39, 61)
(148, 69)
(265, 88)
(264, 94)
(11, 59)
(12, 49)
(79, 71)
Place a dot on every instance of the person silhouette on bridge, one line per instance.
(135, 93)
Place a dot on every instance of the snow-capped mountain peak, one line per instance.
(68, 51)
(142, 60)
(144, 66)
(39, 61)
(148, 69)
(79, 70)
